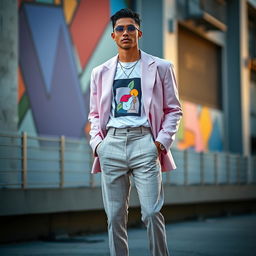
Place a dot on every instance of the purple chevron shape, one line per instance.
(62, 110)
(44, 22)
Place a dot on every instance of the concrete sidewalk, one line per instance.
(227, 236)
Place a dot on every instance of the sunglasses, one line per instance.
(130, 29)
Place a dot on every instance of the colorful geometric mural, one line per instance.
(201, 128)
(59, 44)
(60, 41)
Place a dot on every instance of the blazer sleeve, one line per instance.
(171, 108)
(93, 116)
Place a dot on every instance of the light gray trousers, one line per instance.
(125, 152)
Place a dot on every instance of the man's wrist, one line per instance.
(160, 146)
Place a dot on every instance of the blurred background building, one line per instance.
(48, 49)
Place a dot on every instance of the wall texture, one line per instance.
(8, 65)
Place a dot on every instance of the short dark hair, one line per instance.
(125, 13)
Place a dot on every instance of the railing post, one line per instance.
(62, 160)
(24, 159)
(215, 159)
(228, 168)
(238, 160)
(201, 168)
(249, 177)
(185, 159)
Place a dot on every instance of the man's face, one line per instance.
(124, 35)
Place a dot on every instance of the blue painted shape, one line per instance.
(44, 22)
(63, 110)
(215, 141)
(116, 5)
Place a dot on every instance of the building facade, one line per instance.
(49, 47)
(212, 45)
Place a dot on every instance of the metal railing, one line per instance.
(59, 162)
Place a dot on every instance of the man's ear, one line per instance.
(140, 33)
(113, 35)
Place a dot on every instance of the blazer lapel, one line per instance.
(108, 75)
(148, 76)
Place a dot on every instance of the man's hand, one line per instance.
(160, 147)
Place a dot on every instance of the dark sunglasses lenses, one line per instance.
(120, 29)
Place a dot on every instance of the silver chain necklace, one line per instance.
(132, 67)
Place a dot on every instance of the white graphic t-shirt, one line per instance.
(127, 108)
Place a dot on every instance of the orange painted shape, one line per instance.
(205, 124)
(188, 142)
(21, 86)
(87, 127)
(191, 123)
(69, 7)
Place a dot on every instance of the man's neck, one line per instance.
(128, 56)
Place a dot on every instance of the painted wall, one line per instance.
(59, 44)
(201, 128)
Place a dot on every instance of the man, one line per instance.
(134, 115)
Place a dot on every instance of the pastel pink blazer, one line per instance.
(161, 103)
